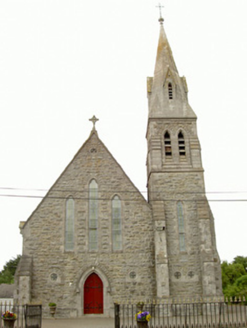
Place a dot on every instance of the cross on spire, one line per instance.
(161, 19)
(93, 120)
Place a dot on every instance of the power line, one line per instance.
(123, 199)
(120, 190)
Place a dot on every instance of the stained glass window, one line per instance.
(69, 224)
(116, 224)
(181, 230)
(93, 215)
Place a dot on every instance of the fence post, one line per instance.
(117, 315)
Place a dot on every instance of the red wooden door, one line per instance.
(93, 294)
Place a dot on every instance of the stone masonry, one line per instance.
(43, 235)
(166, 244)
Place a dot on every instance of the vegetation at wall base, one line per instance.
(234, 278)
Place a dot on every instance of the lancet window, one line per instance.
(181, 144)
(116, 224)
(69, 224)
(93, 215)
(181, 230)
(167, 142)
(170, 91)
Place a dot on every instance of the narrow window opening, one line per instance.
(116, 224)
(181, 231)
(69, 225)
(167, 142)
(93, 215)
(181, 144)
(170, 92)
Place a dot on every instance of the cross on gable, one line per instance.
(94, 120)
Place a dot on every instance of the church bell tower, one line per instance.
(186, 258)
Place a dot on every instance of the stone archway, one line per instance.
(108, 306)
(93, 295)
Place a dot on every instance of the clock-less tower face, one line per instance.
(186, 248)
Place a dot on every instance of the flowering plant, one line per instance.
(9, 315)
(143, 316)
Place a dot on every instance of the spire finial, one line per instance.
(161, 19)
(93, 120)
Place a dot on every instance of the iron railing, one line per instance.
(167, 314)
(18, 309)
(178, 314)
(28, 316)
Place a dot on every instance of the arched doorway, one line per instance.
(93, 295)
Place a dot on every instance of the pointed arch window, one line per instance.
(167, 142)
(93, 216)
(116, 224)
(170, 90)
(181, 231)
(69, 224)
(181, 144)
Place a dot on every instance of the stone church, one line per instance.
(94, 239)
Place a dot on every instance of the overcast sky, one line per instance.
(61, 62)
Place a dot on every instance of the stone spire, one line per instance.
(164, 56)
(175, 180)
(167, 91)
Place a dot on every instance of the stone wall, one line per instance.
(128, 274)
(187, 272)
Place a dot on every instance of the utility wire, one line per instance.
(28, 196)
(123, 199)
(120, 190)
